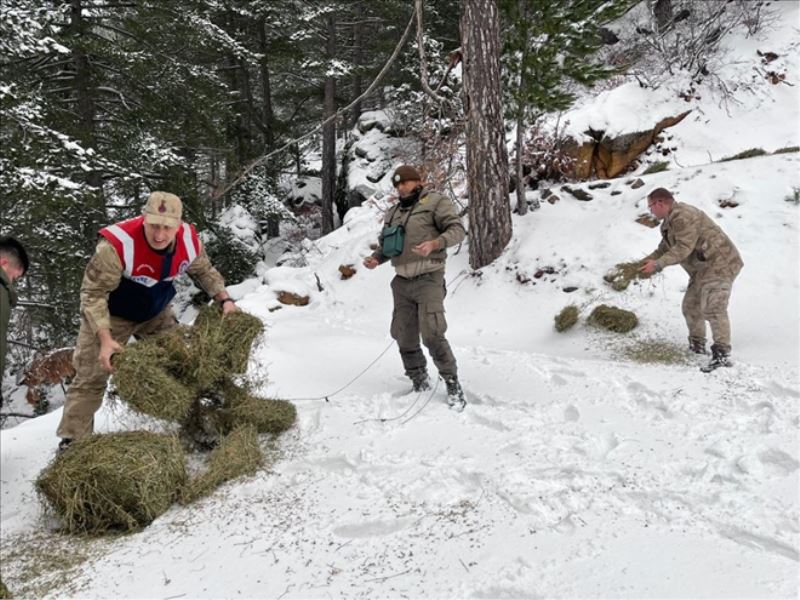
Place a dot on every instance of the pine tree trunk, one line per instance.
(266, 87)
(487, 158)
(86, 109)
(357, 60)
(329, 136)
(522, 203)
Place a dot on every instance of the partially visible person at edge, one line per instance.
(13, 265)
(690, 238)
(431, 224)
(126, 291)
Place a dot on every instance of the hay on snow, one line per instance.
(613, 318)
(237, 455)
(117, 481)
(566, 318)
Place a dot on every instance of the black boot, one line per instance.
(697, 345)
(720, 357)
(419, 379)
(63, 445)
(455, 395)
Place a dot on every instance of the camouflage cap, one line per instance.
(163, 208)
(405, 173)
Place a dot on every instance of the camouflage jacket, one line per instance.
(8, 299)
(433, 216)
(690, 238)
(104, 272)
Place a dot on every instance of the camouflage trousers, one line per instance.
(419, 312)
(85, 394)
(706, 299)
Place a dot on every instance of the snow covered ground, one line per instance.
(574, 471)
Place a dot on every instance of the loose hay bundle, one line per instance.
(163, 376)
(237, 455)
(613, 318)
(215, 416)
(227, 338)
(144, 376)
(622, 274)
(118, 481)
(266, 415)
(566, 318)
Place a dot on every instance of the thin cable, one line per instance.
(327, 397)
(404, 413)
(421, 408)
(336, 115)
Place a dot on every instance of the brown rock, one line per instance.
(293, 299)
(647, 220)
(610, 157)
(347, 271)
(728, 203)
(637, 184)
(552, 199)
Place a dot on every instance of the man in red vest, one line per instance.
(126, 291)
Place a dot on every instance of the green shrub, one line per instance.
(235, 261)
(746, 154)
(657, 167)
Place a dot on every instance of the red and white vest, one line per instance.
(146, 287)
(142, 264)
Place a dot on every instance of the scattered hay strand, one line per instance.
(237, 455)
(656, 352)
(566, 318)
(613, 318)
(622, 274)
(118, 481)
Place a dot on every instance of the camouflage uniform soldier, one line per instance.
(690, 238)
(430, 224)
(126, 291)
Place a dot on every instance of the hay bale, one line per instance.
(566, 318)
(613, 318)
(144, 382)
(237, 455)
(118, 481)
(622, 274)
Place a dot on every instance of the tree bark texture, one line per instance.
(329, 135)
(266, 87)
(522, 204)
(357, 61)
(487, 157)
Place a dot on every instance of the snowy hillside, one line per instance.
(575, 470)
